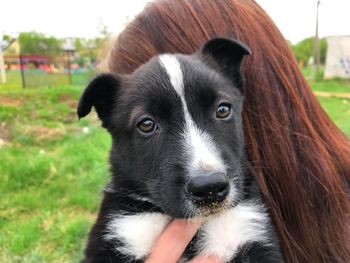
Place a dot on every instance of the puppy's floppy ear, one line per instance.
(228, 54)
(101, 94)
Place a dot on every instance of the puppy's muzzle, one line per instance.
(208, 189)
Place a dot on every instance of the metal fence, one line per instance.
(30, 71)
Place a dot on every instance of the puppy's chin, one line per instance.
(192, 211)
(212, 210)
(183, 207)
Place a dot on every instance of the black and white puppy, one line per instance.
(179, 152)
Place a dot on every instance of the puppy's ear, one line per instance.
(101, 94)
(228, 54)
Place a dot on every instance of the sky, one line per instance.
(68, 18)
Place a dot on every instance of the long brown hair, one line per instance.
(301, 159)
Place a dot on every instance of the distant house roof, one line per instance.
(5, 44)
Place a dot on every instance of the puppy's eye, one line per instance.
(147, 126)
(223, 111)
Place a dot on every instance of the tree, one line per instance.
(6, 37)
(33, 43)
(89, 50)
(303, 50)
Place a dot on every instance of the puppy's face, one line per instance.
(177, 128)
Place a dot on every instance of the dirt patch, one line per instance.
(2, 143)
(5, 136)
(94, 119)
(68, 100)
(4, 132)
(44, 133)
(7, 101)
(64, 97)
(333, 94)
(72, 104)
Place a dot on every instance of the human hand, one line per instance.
(173, 241)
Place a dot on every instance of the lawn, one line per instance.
(36, 78)
(53, 168)
(340, 86)
(339, 110)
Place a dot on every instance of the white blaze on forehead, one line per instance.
(172, 66)
(198, 143)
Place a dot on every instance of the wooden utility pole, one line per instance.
(316, 44)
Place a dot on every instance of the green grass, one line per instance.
(337, 108)
(340, 86)
(35, 78)
(51, 172)
(339, 111)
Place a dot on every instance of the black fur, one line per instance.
(154, 166)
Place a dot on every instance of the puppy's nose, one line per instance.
(207, 189)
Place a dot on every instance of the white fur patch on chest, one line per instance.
(137, 232)
(220, 235)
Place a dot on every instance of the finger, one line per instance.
(205, 259)
(173, 241)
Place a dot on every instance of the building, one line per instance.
(338, 57)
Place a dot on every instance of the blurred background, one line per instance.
(52, 166)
